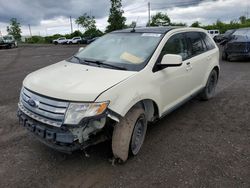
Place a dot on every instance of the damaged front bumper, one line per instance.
(65, 138)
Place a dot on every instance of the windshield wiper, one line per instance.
(105, 64)
(81, 61)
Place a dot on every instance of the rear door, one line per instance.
(199, 59)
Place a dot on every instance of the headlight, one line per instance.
(77, 111)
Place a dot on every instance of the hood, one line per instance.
(74, 82)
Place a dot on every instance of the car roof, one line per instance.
(161, 30)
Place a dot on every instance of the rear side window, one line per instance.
(175, 45)
(196, 44)
(208, 42)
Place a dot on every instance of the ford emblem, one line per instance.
(32, 103)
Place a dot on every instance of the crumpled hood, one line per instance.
(74, 82)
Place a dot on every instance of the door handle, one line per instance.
(189, 66)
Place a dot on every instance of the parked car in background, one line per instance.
(238, 46)
(91, 40)
(61, 40)
(225, 36)
(213, 33)
(8, 41)
(75, 40)
(89, 100)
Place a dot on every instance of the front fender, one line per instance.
(126, 94)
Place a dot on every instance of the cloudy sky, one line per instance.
(48, 17)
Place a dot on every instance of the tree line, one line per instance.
(117, 21)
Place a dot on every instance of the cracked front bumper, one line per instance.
(60, 139)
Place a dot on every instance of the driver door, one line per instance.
(174, 82)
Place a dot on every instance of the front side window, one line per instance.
(196, 45)
(128, 50)
(175, 45)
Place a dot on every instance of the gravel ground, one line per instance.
(201, 144)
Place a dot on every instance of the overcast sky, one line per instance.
(48, 17)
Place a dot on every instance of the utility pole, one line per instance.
(149, 13)
(30, 30)
(71, 24)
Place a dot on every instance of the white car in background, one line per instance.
(116, 85)
(213, 33)
(75, 40)
(61, 40)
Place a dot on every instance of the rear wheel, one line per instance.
(209, 91)
(129, 134)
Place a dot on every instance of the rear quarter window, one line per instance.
(208, 42)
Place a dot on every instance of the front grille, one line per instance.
(43, 109)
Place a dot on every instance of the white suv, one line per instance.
(75, 40)
(61, 40)
(115, 86)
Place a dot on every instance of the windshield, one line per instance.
(229, 32)
(128, 50)
(242, 32)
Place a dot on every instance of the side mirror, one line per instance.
(171, 60)
(168, 60)
(81, 49)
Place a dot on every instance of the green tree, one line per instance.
(116, 19)
(160, 19)
(243, 19)
(86, 21)
(91, 33)
(196, 24)
(14, 29)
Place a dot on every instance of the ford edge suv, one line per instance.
(116, 85)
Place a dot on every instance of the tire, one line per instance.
(56, 43)
(129, 134)
(209, 90)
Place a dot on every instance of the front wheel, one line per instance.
(209, 90)
(129, 133)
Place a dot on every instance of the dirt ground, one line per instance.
(202, 144)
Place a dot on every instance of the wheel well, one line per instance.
(216, 68)
(150, 107)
